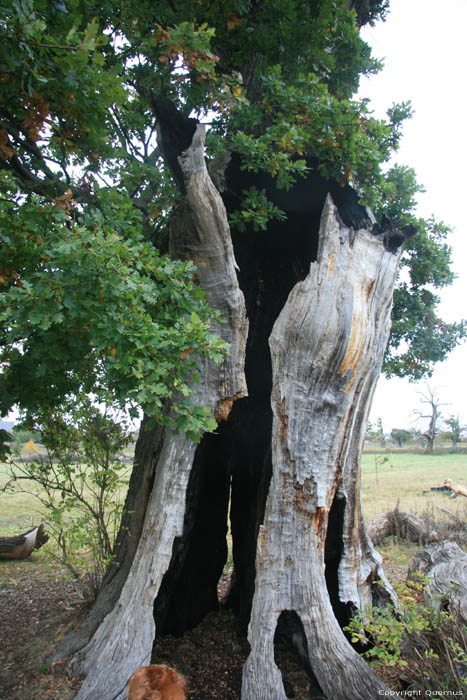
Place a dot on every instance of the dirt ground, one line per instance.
(36, 608)
(38, 605)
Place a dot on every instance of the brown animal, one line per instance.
(156, 683)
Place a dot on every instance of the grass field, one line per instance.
(18, 511)
(408, 477)
(386, 478)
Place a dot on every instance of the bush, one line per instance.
(426, 644)
(79, 476)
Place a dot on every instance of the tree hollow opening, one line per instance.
(233, 465)
(292, 658)
(333, 550)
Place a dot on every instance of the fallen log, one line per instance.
(453, 517)
(21, 546)
(401, 525)
(445, 566)
(455, 488)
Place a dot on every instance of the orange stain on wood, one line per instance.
(283, 422)
(356, 341)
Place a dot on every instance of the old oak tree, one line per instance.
(184, 227)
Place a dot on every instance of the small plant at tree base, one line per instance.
(424, 643)
(80, 478)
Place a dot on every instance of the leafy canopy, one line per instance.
(419, 338)
(88, 302)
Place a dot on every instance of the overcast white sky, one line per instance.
(423, 44)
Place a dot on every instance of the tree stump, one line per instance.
(401, 525)
(21, 546)
(445, 565)
(318, 292)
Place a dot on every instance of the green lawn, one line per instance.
(18, 511)
(405, 476)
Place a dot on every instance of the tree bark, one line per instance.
(327, 348)
(21, 546)
(399, 524)
(287, 455)
(445, 567)
(124, 638)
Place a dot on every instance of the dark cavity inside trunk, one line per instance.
(332, 556)
(234, 464)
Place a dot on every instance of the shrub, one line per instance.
(79, 476)
(425, 644)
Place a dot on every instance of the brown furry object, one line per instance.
(156, 683)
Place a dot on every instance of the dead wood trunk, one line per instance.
(123, 640)
(456, 488)
(327, 347)
(399, 524)
(21, 546)
(445, 567)
(291, 451)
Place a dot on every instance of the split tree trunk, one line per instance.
(327, 347)
(123, 640)
(295, 469)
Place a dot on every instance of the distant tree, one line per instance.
(370, 433)
(380, 432)
(456, 429)
(20, 436)
(375, 432)
(432, 413)
(400, 436)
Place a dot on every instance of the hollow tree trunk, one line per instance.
(327, 347)
(291, 450)
(123, 640)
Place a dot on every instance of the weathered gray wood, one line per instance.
(400, 524)
(456, 488)
(147, 452)
(327, 348)
(445, 565)
(124, 640)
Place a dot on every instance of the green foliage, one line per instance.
(456, 429)
(5, 439)
(88, 304)
(419, 338)
(427, 642)
(97, 310)
(301, 117)
(79, 478)
(256, 212)
(401, 436)
(57, 84)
